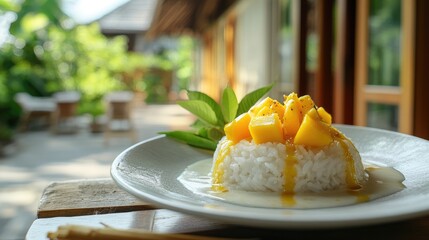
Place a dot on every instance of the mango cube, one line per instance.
(265, 111)
(266, 129)
(292, 118)
(291, 96)
(313, 132)
(314, 114)
(324, 115)
(238, 129)
(264, 103)
(275, 107)
(306, 103)
(278, 108)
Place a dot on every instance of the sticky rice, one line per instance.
(261, 167)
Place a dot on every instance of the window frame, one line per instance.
(402, 95)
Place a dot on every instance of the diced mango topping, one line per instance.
(326, 117)
(306, 104)
(292, 118)
(266, 129)
(297, 120)
(274, 107)
(313, 132)
(265, 111)
(291, 96)
(238, 129)
(278, 108)
(256, 108)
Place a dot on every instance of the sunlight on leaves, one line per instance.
(33, 22)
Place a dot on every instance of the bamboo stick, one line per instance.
(74, 232)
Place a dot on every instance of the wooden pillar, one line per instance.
(421, 95)
(300, 24)
(361, 56)
(323, 88)
(407, 73)
(229, 35)
(345, 62)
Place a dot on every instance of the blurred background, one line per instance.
(63, 61)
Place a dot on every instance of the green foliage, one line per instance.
(49, 54)
(212, 117)
(184, 62)
(93, 106)
(35, 15)
(6, 5)
(5, 134)
(179, 62)
(21, 70)
(384, 43)
(83, 59)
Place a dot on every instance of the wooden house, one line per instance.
(364, 61)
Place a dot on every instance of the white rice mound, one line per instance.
(259, 167)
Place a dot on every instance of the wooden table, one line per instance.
(100, 202)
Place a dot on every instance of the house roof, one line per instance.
(175, 17)
(133, 16)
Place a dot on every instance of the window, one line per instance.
(384, 58)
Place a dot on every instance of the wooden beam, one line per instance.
(323, 88)
(204, 12)
(421, 96)
(382, 94)
(345, 62)
(406, 106)
(300, 10)
(230, 36)
(361, 70)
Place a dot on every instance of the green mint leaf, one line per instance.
(229, 104)
(203, 132)
(199, 124)
(195, 95)
(215, 134)
(192, 139)
(200, 109)
(251, 98)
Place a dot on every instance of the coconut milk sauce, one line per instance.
(382, 181)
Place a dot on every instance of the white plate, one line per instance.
(149, 170)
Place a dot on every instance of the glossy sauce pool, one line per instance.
(382, 181)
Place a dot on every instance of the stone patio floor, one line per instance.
(40, 158)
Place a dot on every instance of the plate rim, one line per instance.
(248, 219)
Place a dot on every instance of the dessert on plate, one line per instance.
(288, 147)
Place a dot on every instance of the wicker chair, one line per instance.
(119, 123)
(34, 107)
(64, 117)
